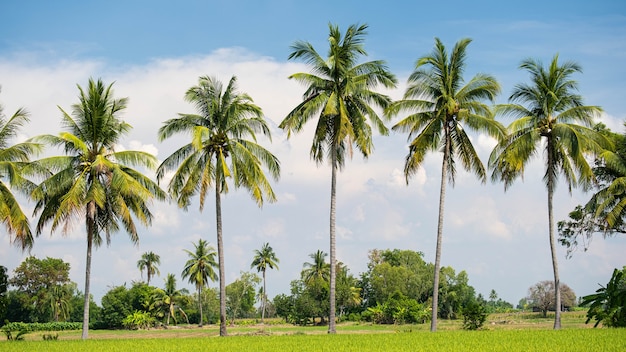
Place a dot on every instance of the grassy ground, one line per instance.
(502, 321)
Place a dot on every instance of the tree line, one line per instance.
(94, 183)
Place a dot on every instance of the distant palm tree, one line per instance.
(339, 93)
(199, 269)
(226, 118)
(318, 269)
(93, 182)
(13, 161)
(149, 262)
(549, 115)
(263, 259)
(441, 107)
(171, 298)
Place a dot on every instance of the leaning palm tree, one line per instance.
(93, 182)
(550, 115)
(224, 129)
(14, 160)
(149, 262)
(339, 93)
(318, 269)
(263, 259)
(199, 269)
(441, 106)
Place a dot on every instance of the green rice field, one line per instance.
(503, 332)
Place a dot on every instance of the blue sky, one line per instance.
(155, 50)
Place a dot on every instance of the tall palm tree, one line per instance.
(223, 130)
(14, 160)
(263, 259)
(93, 182)
(339, 92)
(171, 298)
(318, 269)
(549, 115)
(200, 268)
(149, 262)
(441, 106)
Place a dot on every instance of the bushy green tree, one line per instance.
(241, 296)
(608, 304)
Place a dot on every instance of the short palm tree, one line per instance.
(441, 106)
(149, 262)
(339, 93)
(224, 129)
(14, 160)
(263, 259)
(199, 269)
(93, 182)
(171, 298)
(549, 115)
(318, 269)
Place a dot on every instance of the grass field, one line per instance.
(503, 332)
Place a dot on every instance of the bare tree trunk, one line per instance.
(90, 231)
(442, 196)
(200, 303)
(333, 260)
(555, 264)
(220, 254)
(264, 299)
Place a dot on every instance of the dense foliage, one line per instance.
(608, 304)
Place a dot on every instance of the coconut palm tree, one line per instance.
(339, 93)
(441, 105)
(263, 259)
(223, 130)
(199, 269)
(550, 116)
(318, 269)
(171, 298)
(149, 262)
(14, 160)
(93, 182)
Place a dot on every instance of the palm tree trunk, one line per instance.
(200, 303)
(442, 196)
(220, 254)
(264, 300)
(333, 192)
(90, 232)
(555, 264)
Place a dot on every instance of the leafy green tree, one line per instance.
(200, 268)
(14, 164)
(240, 296)
(4, 278)
(42, 280)
(149, 262)
(608, 304)
(391, 271)
(339, 92)
(605, 212)
(93, 182)
(263, 259)
(218, 132)
(549, 115)
(441, 107)
(116, 306)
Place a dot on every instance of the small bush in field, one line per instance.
(474, 315)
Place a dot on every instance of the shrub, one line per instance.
(474, 315)
(139, 320)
